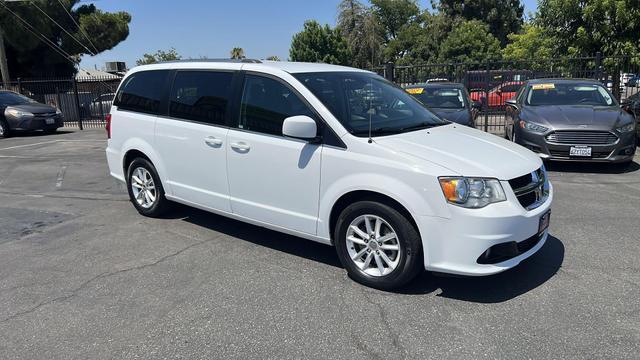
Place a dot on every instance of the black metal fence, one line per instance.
(84, 101)
(494, 83)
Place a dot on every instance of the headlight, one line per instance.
(17, 113)
(626, 128)
(472, 192)
(533, 127)
(58, 112)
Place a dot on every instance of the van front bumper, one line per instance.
(483, 241)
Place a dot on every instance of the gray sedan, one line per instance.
(18, 112)
(571, 120)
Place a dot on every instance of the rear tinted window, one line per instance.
(142, 91)
(201, 96)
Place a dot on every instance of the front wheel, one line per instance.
(145, 189)
(378, 246)
(5, 131)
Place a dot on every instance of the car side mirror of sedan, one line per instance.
(300, 127)
(511, 102)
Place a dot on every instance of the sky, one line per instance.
(211, 28)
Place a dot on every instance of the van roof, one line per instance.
(288, 66)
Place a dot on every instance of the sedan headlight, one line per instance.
(533, 127)
(626, 128)
(17, 113)
(472, 192)
(58, 112)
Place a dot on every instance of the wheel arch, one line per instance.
(366, 195)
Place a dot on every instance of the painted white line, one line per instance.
(60, 178)
(50, 142)
(27, 145)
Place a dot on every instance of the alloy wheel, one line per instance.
(373, 245)
(143, 187)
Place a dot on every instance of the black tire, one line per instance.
(160, 205)
(411, 257)
(5, 131)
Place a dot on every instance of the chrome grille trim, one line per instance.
(572, 137)
(533, 194)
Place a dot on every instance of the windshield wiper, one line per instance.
(420, 126)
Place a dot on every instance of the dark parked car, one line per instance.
(571, 120)
(18, 112)
(448, 100)
(634, 81)
(632, 106)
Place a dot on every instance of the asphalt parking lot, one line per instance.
(84, 276)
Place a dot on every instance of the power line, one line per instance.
(41, 36)
(84, 33)
(63, 29)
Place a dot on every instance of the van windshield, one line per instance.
(358, 99)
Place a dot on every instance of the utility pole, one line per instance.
(4, 68)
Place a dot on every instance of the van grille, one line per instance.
(530, 189)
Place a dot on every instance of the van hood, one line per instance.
(465, 151)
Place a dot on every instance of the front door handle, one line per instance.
(240, 146)
(212, 141)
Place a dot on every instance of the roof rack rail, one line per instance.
(249, 61)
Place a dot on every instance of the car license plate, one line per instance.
(544, 222)
(49, 121)
(580, 151)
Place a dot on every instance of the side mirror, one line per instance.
(511, 102)
(476, 105)
(300, 127)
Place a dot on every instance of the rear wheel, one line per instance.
(4, 129)
(378, 246)
(145, 189)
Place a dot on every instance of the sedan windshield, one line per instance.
(439, 98)
(11, 98)
(569, 94)
(363, 101)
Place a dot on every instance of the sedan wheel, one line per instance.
(4, 129)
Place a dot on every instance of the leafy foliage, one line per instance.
(532, 43)
(237, 53)
(584, 27)
(359, 27)
(158, 56)
(273, 58)
(503, 16)
(316, 43)
(29, 56)
(470, 41)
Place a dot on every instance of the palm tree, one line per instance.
(237, 53)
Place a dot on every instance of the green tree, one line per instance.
(359, 27)
(393, 15)
(503, 16)
(470, 41)
(316, 43)
(91, 30)
(237, 53)
(584, 27)
(420, 41)
(273, 58)
(158, 56)
(532, 43)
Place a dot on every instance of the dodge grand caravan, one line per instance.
(331, 154)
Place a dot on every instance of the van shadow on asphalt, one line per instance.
(525, 277)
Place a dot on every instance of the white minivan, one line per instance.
(332, 154)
